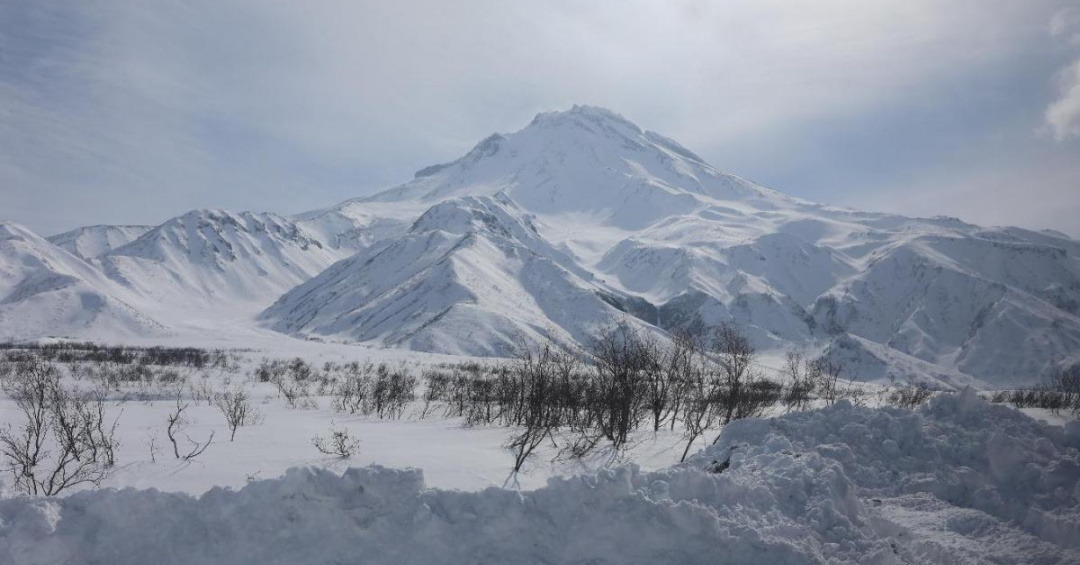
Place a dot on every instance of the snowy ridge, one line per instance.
(212, 259)
(589, 206)
(471, 277)
(654, 224)
(93, 241)
(46, 291)
(958, 481)
(584, 159)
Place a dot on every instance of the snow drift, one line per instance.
(959, 481)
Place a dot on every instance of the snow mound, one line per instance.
(959, 481)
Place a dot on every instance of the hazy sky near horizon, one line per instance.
(114, 111)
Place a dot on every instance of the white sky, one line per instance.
(114, 111)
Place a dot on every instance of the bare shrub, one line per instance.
(339, 443)
(909, 396)
(296, 393)
(175, 429)
(620, 359)
(64, 439)
(391, 391)
(537, 372)
(235, 404)
(825, 373)
(800, 385)
(1060, 393)
(742, 392)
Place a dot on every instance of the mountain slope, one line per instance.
(548, 230)
(46, 291)
(218, 261)
(472, 276)
(586, 159)
(92, 241)
(656, 225)
(989, 308)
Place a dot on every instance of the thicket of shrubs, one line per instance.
(79, 352)
(624, 381)
(1060, 394)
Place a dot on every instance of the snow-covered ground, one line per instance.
(958, 481)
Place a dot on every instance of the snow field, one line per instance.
(958, 481)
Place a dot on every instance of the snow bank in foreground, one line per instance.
(957, 482)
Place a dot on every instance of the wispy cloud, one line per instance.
(1063, 115)
(113, 111)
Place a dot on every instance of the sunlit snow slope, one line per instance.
(217, 260)
(656, 225)
(92, 241)
(44, 291)
(582, 216)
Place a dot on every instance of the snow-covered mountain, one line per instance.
(218, 261)
(472, 276)
(582, 216)
(656, 226)
(47, 291)
(587, 161)
(92, 241)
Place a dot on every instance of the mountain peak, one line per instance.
(584, 115)
(585, 159)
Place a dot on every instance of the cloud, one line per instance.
(1065, 25)
(1063, 116)
(114, 111)
(1032, 191)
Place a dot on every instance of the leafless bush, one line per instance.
(64, 440)
(391, 391)
(825, 373)
(296, 393)
(339, 443)
(352, 393)
(742, 391)
(698, 390)
(1061, 393)
(800, 385)
(269, 370)
(537, 414)
(235, 404)
(177, 423)
(909, 396)
(620, 358)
